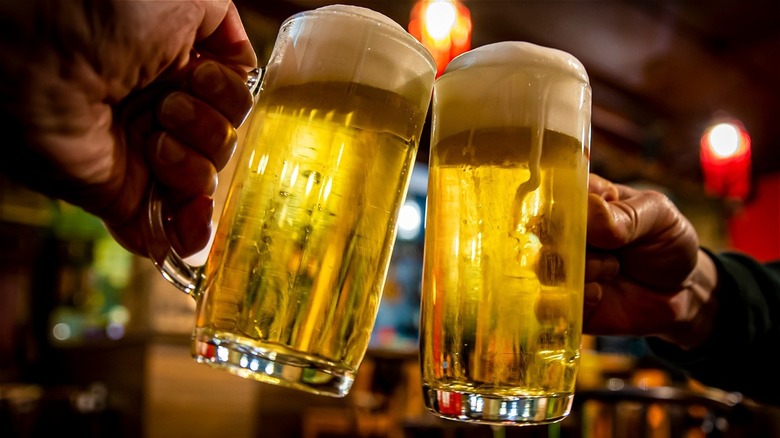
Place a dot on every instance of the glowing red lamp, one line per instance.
(725, 160)
(443, 27)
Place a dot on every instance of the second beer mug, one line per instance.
(504, 257)
(290, 289)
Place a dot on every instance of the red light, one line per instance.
(725, 160)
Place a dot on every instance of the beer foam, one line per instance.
(352, 44)
(365, 12)
(518, 54)
(514, 84)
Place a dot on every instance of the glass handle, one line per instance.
(170, 264)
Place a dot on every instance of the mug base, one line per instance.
(268, 365)
(474, 407)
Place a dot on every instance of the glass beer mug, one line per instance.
(503, 274)
(292, 283)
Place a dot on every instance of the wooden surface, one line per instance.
(184, 398)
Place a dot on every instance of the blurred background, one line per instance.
(686, 97)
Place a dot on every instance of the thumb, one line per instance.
(614, 224)
(222, 36)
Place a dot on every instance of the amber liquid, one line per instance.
(302, 250)
(504, 263)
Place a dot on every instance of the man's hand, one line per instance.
(645, 274)
(98, 103)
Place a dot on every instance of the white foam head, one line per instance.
(353, 44)
(513, 84)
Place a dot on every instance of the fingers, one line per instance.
(205, 115)
(192, 229)
(199, 129)
(184, 172)
(593, 294)
(600, 266)
(196, 124)
(195, 139)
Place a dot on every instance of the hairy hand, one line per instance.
(100, 98)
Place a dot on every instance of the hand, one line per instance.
(645, 274)
(96, 103)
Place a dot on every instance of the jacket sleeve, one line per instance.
(739, 355)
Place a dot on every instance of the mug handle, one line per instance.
(158, 247)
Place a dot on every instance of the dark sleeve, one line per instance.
(739, 356)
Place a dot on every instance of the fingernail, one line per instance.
(193, 225)
(212, 187)
(208, 77)
(169, 151)
(177, 108)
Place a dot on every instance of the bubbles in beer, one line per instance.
(307, 250)
(507, 294)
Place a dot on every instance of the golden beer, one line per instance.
(300, 256)
(502, 309)
(503, 274)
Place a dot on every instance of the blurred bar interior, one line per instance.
(95, 344)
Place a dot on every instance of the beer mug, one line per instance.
(290, 289)
(503, 273)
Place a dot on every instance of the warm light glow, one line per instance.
(443, 27)
(724, 139)
(440, 18)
